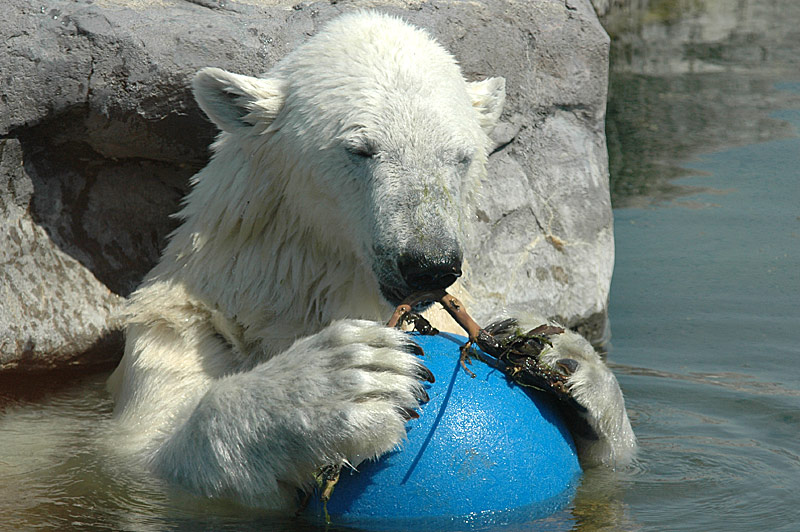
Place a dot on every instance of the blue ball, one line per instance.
(483, 451)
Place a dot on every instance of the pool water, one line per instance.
(706, 317)
(703, 120)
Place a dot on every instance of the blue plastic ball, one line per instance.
(483, 451)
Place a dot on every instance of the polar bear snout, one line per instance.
(430, 271)
(405, 269)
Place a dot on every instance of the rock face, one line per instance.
(54, 311)
(99, 136)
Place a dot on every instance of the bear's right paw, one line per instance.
(372, 377)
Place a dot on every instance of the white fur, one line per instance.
(248, 363)
(597, 390)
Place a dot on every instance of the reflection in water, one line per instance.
(690, 77)
(599, 503)
(704, 305)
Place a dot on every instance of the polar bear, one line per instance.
(339, 184)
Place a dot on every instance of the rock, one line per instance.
(55, 313)
(101, 136)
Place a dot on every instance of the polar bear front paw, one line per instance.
(368, 385)
(598, 418)
(568, 367)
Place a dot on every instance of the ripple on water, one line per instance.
(713, 449)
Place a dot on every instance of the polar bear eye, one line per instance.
(364, 150)
(464, 159)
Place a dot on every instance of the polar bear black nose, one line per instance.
(430, 271)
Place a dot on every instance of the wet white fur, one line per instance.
(595, 387)
(249, 362)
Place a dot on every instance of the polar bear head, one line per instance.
(368, 131)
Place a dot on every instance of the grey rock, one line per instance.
(54, 312)
(101, 136)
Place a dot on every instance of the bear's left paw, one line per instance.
(597, 416)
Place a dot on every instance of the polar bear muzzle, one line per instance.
(427, 271)
(412, 268)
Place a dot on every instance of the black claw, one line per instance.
(425, 374)
(567, 366)
(414, 349)
(423, 396)
(407, 413)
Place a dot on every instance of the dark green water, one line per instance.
(703, 120)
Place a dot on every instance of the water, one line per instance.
(704, 113)
(706, 310)
(705, 302)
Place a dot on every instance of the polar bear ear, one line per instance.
(488, 97)
(235, 102)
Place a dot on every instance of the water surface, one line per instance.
(706, 312)
(705, 302)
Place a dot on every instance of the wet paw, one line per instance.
(375, 379)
